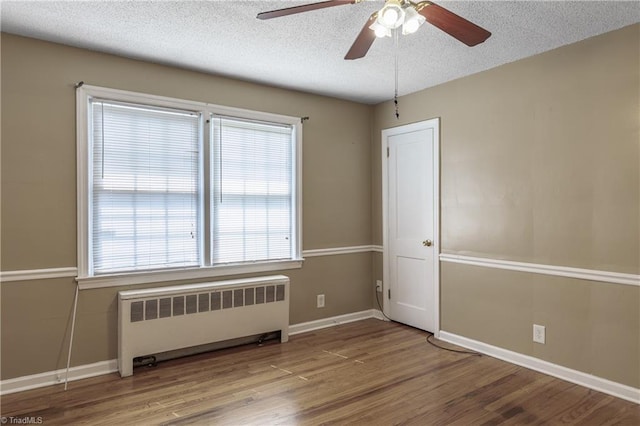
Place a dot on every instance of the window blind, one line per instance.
(145, 187)
(251, 191)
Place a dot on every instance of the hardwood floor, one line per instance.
(368, 372)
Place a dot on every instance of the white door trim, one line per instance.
(435, 124)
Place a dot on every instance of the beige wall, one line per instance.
(540, 163)
(39, 195)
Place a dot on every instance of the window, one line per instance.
(252, 191)
(172, 189)
(145, 188)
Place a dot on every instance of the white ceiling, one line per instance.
(306, 51)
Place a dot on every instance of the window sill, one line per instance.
(132, 278)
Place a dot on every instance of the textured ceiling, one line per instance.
(305, 51)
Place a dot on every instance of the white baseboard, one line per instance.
(58, 376)
(377, 314)
(574, 376)
(305, 327)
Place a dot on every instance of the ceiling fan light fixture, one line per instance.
(391, 15)
(408, 14)
(380, 30)
(412, 20)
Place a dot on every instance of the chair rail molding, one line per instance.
(38, 274)
(536, 268)
(72, 271)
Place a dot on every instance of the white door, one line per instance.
(411, 243)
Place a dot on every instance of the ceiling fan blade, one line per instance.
(452, 24)
(363, 42)
(303, 8)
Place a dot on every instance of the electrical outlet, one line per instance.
(539, 333)
(320, 301)
(379, 286)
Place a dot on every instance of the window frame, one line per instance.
(83, 158)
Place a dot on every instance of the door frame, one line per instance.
(434, 124)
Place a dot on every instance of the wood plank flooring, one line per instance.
(367, 372)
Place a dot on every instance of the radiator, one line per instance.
(156, 320)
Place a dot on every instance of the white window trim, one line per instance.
(83, 94)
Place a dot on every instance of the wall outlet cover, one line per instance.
(539, 333)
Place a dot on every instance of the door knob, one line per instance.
(427, 243)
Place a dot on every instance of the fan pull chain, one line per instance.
(395, 48)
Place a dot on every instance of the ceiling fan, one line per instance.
(403, 15)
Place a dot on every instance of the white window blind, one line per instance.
(252, 191)
(144, 199)
(172, 189)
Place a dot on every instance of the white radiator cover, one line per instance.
(156, 320)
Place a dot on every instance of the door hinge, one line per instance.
(389, 293)
(387, 152)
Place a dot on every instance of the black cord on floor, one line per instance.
(381, 310)
(430, 335)
(451, 350)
